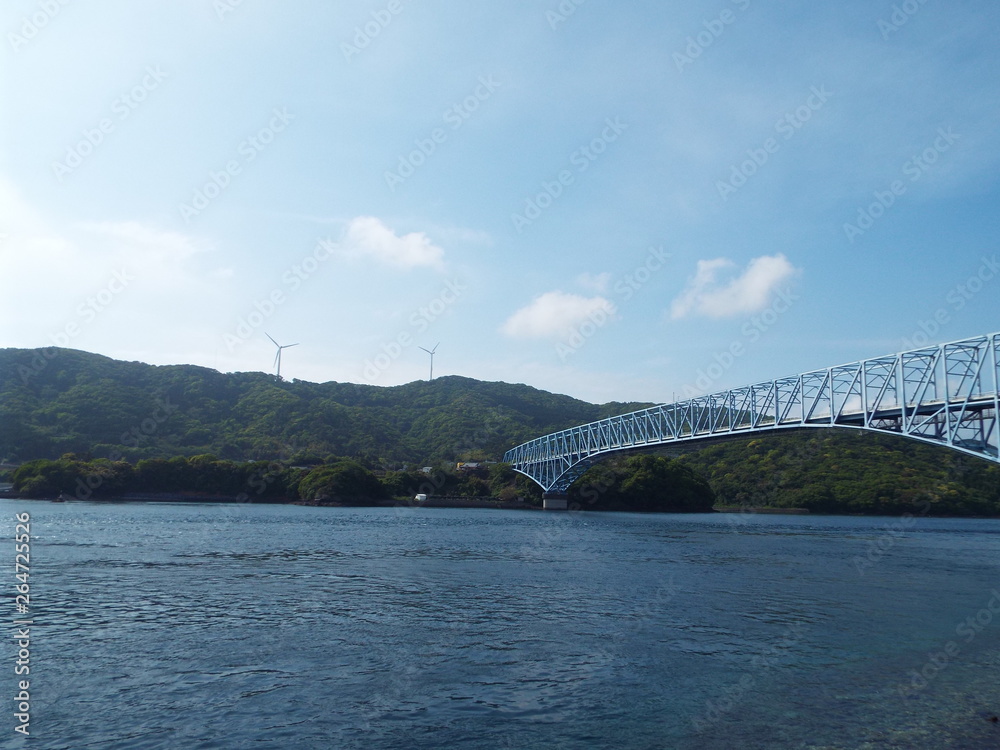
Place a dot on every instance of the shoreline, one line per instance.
(452, 501)
(763, 509)
(434, 502)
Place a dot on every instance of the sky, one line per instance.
(631, 201)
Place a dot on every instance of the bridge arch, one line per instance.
(944, 395)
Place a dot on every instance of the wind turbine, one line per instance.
(431, 352)
(277, 357)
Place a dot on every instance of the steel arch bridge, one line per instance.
(945, 395)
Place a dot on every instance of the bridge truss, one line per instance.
(945, 395)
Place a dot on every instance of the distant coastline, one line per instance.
(203, 497)
(431, 502)
(493, 503)
(762, 509)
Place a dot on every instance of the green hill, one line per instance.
(60, 401)
(848, 471)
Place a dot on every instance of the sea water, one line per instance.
(264, 626)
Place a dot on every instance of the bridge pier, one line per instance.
(555, 501)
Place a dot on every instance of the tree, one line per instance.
(655, 483)
(645, 483)
(344, 481)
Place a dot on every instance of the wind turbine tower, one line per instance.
(277, 357)
(431, 352)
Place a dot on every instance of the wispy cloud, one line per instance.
(594, 282)
(140, 235)
(553, 314)
(108, 282)
(715, 292)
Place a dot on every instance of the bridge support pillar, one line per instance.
(555, 501)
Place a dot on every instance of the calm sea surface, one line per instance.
(243, 626)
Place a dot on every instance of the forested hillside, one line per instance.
(60, 401)
(848, 471)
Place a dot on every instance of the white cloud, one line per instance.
(367, 236)
(553, 314)
(710, 294)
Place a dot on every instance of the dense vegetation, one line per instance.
(848, 471)
(58, 401)
(645, 483)
(340, 481)
(91, 426)
(638, 483)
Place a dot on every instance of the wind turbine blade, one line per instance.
(435, 347)
(277, 357)
(272, 340)
(289, 346)
(426, 350)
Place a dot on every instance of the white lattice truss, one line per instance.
(946, 395)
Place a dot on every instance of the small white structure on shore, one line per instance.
(420, 498)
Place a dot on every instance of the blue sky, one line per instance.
(617, 201)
